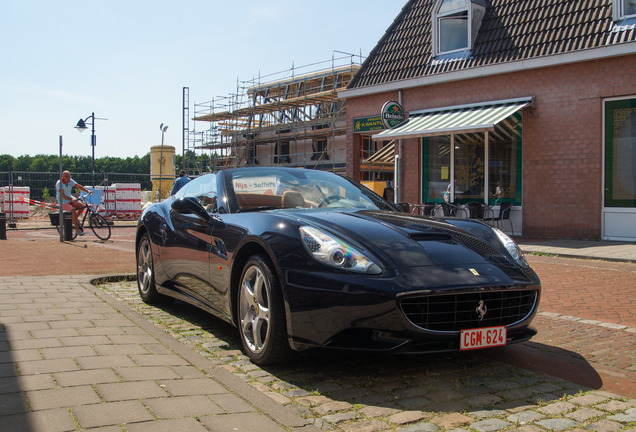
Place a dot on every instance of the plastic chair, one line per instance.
(476, 210)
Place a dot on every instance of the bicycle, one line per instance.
(97, 223)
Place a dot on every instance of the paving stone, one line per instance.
(159, 360)
(86, 377)
(130, 390)
(556, 424)
(67, 352)
(557, 408)
(332, 407)
(483, 400)
(627, 417)
(584, 414)
(365, 426)
(111, 413)
(47, 366)
(481, 414)
(278, 397)
(55, 420)
(605, 426)
(489, 425)
(12, 403)
(615, 405)
(231, 403)
(588, 399)
(240, 422)
(62, 397)
(182, 406)
(378, 411)
(136, 373)
(36, 382)
(172, 425)
(341, 416)
(524, 417)
(104, 361)
(187, 387)
(406, 417)
(419, 427)
(451, 420)
(296, 393)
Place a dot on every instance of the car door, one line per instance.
(186, 253)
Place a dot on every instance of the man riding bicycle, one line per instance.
(67, 201)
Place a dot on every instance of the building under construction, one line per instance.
(292, 118)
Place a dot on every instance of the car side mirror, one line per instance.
(190, 205)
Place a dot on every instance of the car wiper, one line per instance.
(255, 209)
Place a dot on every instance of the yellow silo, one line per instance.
(162, 172)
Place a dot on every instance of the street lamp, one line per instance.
(163, 131)
(81, 126)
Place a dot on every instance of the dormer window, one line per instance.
(624, 9)
(455, 24)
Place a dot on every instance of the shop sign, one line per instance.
(364, 124)
(392, 114)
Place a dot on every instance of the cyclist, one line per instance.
(67, 201)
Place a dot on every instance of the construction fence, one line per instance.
(42, 184)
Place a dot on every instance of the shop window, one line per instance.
(620, 153)
(504, 164)
(320, 149)
(466, 160)
(623, 9)
(456, 24)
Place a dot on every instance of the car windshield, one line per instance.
(271, 188)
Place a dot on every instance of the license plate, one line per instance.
(482, 337)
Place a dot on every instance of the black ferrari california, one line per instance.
(299, 258)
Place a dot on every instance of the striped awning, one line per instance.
(459, 119)
(386, 155)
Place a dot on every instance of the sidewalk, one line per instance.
(71, 357)
(604, 250)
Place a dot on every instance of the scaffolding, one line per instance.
(289, 118)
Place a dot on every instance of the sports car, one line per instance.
(300, 259)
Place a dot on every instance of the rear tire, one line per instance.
(100, 226)
(146, 273)
(261, 319)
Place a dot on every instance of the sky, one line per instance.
(128, 61)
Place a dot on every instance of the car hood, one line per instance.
(402, 240)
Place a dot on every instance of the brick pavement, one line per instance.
(340, 392)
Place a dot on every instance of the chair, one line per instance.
(429, 209)
(504, 214)
(292, 199)
(476, 210)
(449, 209)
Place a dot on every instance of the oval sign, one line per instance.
(392, 114)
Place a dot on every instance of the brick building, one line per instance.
(531, 102)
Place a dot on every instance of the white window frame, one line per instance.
(473, 23)
(618, 10)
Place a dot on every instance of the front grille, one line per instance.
(453, 312)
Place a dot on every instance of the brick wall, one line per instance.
(562, 137)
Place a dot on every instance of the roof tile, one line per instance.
(511, 30)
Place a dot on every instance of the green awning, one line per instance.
(461, 119)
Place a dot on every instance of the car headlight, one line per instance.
(336, 253)
(512, 248)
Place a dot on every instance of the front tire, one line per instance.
(262, 315)
(100, 226)
(146, 273)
